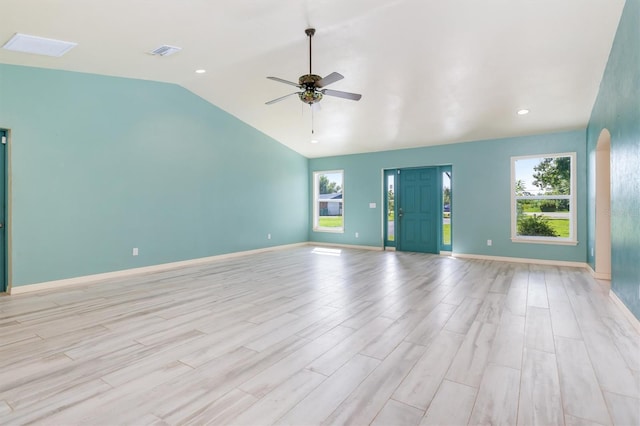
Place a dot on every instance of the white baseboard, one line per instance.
(522, 260)
(89, 279)
(315, 243)
(635, 323)
(599, 275)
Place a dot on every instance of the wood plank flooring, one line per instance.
(305, 336)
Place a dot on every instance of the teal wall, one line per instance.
(101, 165)
(481, 193)
(617, 109)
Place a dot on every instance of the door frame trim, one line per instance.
(442, 249)
(8, 213)
(385, 203)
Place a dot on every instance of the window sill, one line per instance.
(330, 230)
(544, 241)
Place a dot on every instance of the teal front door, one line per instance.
(3, 210)
(417, 210)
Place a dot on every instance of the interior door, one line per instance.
(417, 209)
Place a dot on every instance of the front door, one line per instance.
(417, 209)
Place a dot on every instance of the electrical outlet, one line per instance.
(357, 235)
(135, 251)
(489, 243)
(268, 236)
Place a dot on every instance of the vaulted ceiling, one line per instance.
(430, 72)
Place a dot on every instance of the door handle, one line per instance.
(400, 212)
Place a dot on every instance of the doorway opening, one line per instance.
(603, 207)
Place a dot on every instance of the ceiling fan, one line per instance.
(312, 86)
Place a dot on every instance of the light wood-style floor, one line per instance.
(322, 336)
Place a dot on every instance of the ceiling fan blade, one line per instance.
(284, 81)
(330, 79)
(281, 98)
(340, 94)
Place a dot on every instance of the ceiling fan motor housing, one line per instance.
(310, 94)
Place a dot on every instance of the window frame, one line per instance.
(316, 202)
(386, 211)
(572, 197)
(449, 170)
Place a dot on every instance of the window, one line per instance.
(390, 211)
(543, 199)
(445, 243)
(328, 201)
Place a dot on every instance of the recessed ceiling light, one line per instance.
(38, 45)
(523, 111)
(200, 71)
(314, 141)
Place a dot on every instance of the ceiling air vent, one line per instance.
(165, 50)
(38, 45)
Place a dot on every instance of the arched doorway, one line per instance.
(603, 206)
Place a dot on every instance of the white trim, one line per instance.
(446, 253)
(544, 197)
(90, 279)
(389, 248)
(598, 275)
(8, 222)
(329, 230)
(573, 202)
(316, 213)
(602, 252)
(635, 322)
(544, 240)
(316, 243)
(522, 260)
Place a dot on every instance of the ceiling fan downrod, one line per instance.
(310, 32)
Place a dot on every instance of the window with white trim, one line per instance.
(328, 201)
(543, 199)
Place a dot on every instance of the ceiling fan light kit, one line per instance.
(309, 95)
(312, 85)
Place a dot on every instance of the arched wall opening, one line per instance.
(603, 206)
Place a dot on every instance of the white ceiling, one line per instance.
(430, 72)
